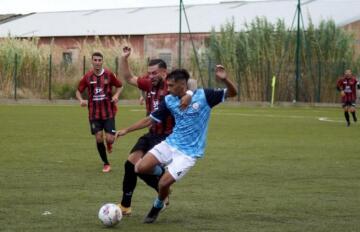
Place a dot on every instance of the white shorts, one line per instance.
(178, 164)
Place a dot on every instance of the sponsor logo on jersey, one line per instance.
(195, 106)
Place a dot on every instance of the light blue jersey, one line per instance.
(190, 131)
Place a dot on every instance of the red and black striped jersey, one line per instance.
(154, 95)
(99, 89)
(348, 85)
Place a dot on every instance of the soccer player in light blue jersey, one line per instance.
(186, 143)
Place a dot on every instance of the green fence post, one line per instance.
(180, 16)
(117, 66)
(238, 84)
(209, 72)
(50, 75)
(15, 76)
(84, 65)
(268, 77)
(319, 83)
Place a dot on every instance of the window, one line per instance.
(166, 57)
(67, 58)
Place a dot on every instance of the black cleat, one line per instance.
(152, 215)
(347, 124)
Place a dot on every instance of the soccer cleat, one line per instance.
(152, 215)
(126, 211)
(109, 147)
(106, 168)
(348, 124)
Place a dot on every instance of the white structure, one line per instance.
(165, 20)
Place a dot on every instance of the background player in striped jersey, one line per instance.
(186, 143)
(346, 85)
(101, 103)
(154, 88)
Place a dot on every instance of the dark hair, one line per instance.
(179, 74)
(158, 62)
(97, 54)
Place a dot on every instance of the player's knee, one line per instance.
(99, 137)
(139, 168)
(110, 138)
(143, 168)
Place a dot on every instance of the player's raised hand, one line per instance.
(126, 52)
(220, 72)
(185, 101)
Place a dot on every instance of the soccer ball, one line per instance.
(110, 214)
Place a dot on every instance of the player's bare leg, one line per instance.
(110, 138)
(164, 186)
(164, 189)
(147, 164)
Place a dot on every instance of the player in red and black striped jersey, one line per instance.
(99, 83)
(154, 87)
(346, 85)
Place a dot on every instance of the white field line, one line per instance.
(263, 115)
(322, 119)
(137, 110)
(325, 119)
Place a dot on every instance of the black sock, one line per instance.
(151, 180)
(354, 116)
(102, 152)
(347, 117)
(129, 183)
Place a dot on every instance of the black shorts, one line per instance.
(147, 141)
(98, 125)
(349, 103)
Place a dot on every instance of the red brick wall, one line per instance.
(148, 46)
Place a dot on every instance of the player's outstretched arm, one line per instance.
(128, 76)
(142, 123)
(221, 75)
